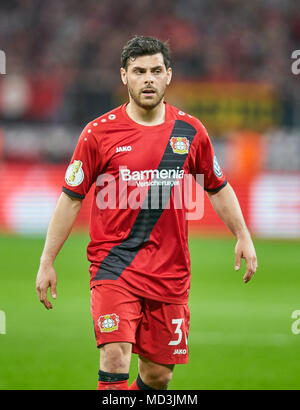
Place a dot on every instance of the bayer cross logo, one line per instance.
(2, 62)
(108, 323)
(180, 145)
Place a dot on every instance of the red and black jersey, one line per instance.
(139, 235)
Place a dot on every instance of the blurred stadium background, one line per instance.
(232, 69)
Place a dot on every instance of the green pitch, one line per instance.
(240, 335)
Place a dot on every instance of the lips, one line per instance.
(148, 91)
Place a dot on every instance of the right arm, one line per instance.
(60, 226)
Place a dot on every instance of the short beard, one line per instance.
(146, 106)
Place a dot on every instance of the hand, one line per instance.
(46, 278)
(245, 249)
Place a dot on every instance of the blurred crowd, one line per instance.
(62, 70)
(70, 50)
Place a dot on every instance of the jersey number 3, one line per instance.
(178, 331)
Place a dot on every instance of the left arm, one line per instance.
(227, 207)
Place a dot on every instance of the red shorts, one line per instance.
(157, 330)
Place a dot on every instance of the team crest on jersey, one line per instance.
(108, 323)
(180, 145)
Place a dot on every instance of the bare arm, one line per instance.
(59, 229)
(227, 207)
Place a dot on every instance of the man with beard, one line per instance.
(140, 263)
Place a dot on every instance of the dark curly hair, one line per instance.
(142, 46)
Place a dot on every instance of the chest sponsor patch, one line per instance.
(108, 323)
(74, 174)
(180, 145)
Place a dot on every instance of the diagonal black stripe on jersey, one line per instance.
(122, 255)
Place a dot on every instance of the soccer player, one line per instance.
(140, 265)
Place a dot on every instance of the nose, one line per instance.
(148, 77)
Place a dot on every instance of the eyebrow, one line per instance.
(143, 68)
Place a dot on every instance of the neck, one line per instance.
(154, 116)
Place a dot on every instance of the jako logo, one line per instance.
(179, 351)
(2, 62)
(296, 64)
(124, 148)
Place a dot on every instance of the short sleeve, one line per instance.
(83, 167)
(204, 161)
